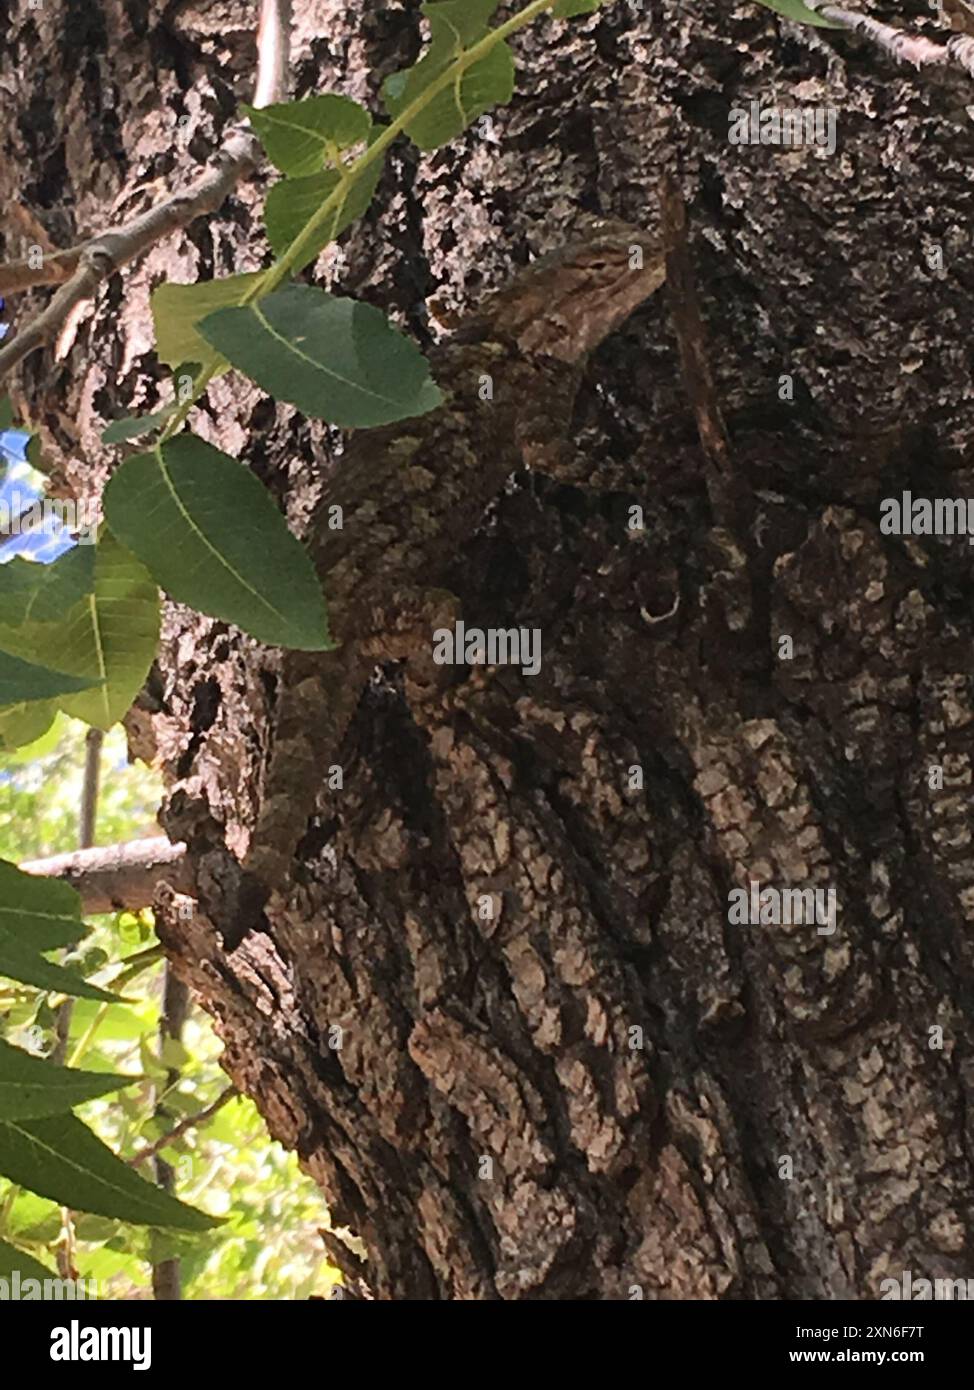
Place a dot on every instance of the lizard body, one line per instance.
(411, 493)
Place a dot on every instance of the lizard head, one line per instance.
(567, 302)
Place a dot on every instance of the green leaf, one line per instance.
(118, 1024)
(6, 413)
(109, 638)
(97, 1229)
(291, 203)
(455, 26)
(32, 592)
(114, 634)
(149, 1061)
(209, 533)
(32, 1220)
(333, 358)
(41, 913)
(23, 725)
(132, 426)
(15, 720)
(14, 1260)
(23, 680)
(19, 962)
(33, 1086)
(570, 9)
(177, 309)
(34, 456)
(801, 14)
(175, 1057)
(301, 136)
(59, 1157)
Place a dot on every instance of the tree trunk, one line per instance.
(503, 1015)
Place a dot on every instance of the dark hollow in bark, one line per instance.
(599, 1088)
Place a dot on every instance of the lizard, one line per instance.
(410, 493)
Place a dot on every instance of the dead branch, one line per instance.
(82, 269)
(116, 878)
(958, 51)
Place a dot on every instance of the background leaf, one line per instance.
(335, 359)
(208, 531)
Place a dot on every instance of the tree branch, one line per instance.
(81, 270)
(87, 815)
(190, 1122)
(103, 255)
(273, 52)
(116, 878)
(167, 1279)
(958, 51)
(94, 739)
(54, 269)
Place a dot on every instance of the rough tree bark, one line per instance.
(463, 1041)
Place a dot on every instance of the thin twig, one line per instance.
(167, 1281)
(87, 813)
(189, 1122)
(96, 259)
(87, 816)
(89, 795)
